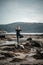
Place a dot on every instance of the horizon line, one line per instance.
(18, 22)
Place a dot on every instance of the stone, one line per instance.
(2, 57)
(7, 54)
(18, 57)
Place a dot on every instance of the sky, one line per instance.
(21, 11)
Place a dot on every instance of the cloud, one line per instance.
(21, 10)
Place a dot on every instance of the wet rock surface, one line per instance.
(38, 55)
(24, 54)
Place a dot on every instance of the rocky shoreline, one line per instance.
(27, 53)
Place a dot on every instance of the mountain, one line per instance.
(26, 27)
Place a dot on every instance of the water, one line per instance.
(25, 33)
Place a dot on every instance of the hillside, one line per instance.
(26, 27)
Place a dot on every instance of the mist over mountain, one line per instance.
(26, 27)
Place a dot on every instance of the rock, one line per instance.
(19, 47)
(22, 47)
(7, 54)
(38, 55)
(33, 50)
(9, 59)
(2, 57)
(9, 48)
(27, 44)
(35, 44)
(16, 60)
(9, 39)
(29, 39)
(18, 57)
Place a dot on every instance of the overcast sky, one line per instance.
(21, 11)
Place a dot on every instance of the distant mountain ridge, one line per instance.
(26, 27)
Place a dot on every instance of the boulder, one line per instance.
(18, 57)
(38, 55)
(2, 57)
(7, 54)
(35, 44)
(29, 39)
(19, 47)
